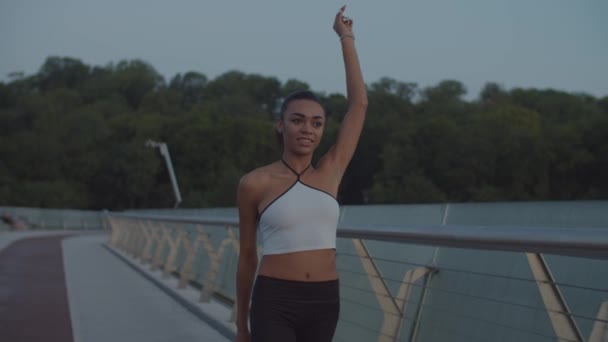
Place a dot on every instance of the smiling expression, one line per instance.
(302, 126)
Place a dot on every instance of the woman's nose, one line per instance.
(307, 128)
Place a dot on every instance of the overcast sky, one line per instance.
(560, 44)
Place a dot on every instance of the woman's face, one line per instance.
(302, 126)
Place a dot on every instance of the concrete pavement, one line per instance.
(107, 299)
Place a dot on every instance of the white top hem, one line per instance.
(300, 249)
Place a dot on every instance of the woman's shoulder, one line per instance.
(258, 178)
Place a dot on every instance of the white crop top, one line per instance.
(302, 218)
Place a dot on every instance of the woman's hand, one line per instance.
(343, 25)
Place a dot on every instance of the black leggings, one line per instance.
(290, 311)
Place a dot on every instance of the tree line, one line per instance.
(73, 136)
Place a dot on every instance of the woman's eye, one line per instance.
(296, 121)
(317, 124)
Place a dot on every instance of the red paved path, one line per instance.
(33, 296)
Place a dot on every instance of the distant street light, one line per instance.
(164, 151)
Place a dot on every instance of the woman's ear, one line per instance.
(279, 126)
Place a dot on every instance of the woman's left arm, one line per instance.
(342, 152)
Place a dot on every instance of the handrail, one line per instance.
(178, 219)
(579, 241)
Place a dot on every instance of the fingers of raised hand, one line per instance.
(341, 18)
(346, 20)
(339, 14)
(342, 23)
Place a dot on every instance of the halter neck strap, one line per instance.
(294, 171)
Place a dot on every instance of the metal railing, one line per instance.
(24, 219)
(474, 283)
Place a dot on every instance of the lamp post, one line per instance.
(164, 151)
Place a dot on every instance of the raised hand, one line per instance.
(343, 25)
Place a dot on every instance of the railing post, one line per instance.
(393, 307)
(557, 309)
(174, 248)
(140, 240)
(133, 238)
(162, 238)
(122, 242)
(215, 260)
(237, 250)
(114, 232)
(149, 237)
(188, 268)
(419, 309)
(210, 275)
(600, 327)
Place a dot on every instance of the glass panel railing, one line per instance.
(392, 290)
(460, 272)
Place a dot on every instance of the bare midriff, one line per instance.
(314, 265)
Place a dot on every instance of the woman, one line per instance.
(296, 292)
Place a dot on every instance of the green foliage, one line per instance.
(74, 135)
(59, 72)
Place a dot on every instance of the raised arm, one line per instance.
(248, 258)
(342, 152)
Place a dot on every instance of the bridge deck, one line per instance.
(70, 288)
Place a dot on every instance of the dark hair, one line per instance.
(296, 95)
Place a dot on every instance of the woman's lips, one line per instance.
(305, 141)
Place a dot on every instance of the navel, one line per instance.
(307, 275)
